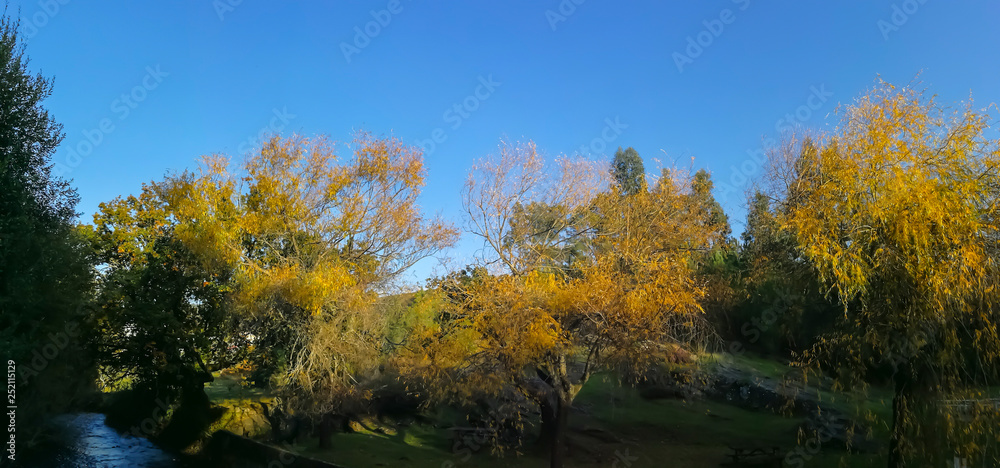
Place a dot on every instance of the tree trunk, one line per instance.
(274, 419)
(558, 446)
(555, 416)
(549, 422)
(899, 403)
(190, 419)
(325, 431)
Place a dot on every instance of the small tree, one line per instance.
(708, 210)
(716, 266)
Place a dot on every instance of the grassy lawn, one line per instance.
(859, 405)
(228, 386)
(609, 423)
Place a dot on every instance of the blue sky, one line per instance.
(709, 80)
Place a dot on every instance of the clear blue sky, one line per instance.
(564, 71)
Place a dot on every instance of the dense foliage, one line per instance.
(45, 264)
(897, 213)
(869, 256)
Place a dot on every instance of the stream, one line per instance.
(89, 443)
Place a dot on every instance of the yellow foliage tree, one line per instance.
(577, 276)
(897, 211)
(312, 241)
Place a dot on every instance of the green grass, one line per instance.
(227, 386)
(859, 405)
(656, 433)
(414, 446)
(622, 408)
(756, 365)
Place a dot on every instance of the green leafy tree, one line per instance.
(628, 171)
(312, 239)
(716, 263)
(163, 322)
(779, 307)
(45, 270)
(708, 211)
(280, 261)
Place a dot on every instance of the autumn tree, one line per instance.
(539, 321)
(311, 239)
(163, 322)
(45, 265)
(896, 209)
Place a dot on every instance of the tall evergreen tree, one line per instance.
(716, 265)
(782, 307)
(44, 270)
(710, 211)
(628, 171)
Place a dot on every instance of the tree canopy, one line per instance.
(539, 321)
(45, 263)
(870, 257)
(628, 171)
(897, 212)
(281, 259)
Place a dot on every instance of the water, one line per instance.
(90, 443)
